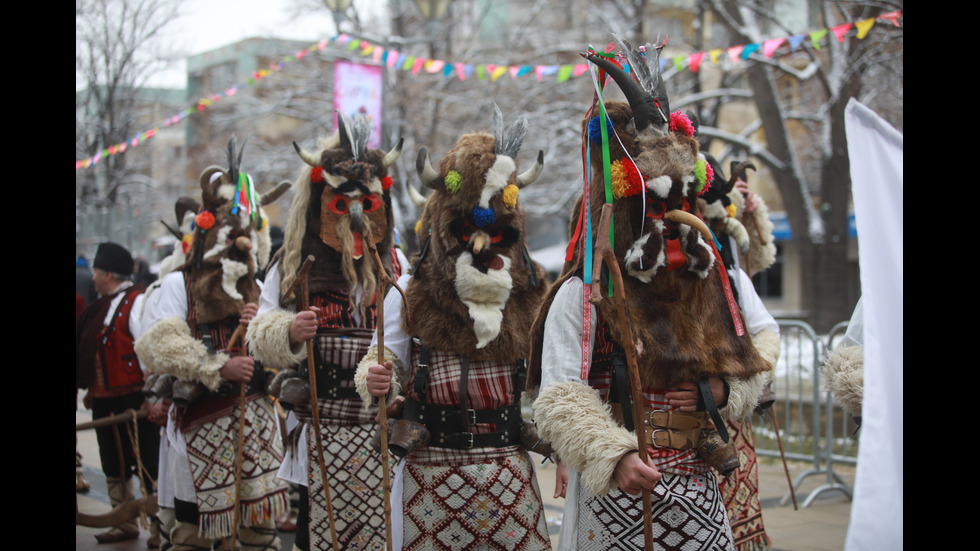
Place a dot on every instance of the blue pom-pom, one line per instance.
(482, 216)
(595, 133)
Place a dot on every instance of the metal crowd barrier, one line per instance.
(813, 429)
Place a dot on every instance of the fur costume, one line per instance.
(470, 302)
(342, 195)
(187, 336)
(680, 310)
(843, 368)
(723, 208)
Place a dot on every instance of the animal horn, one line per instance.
(415, 196)
(530, 175)
(207, 190)
(688, 219)
(395, 152)
(427, 174)
(270, 197)
(643, 104)
(307, 157)
(743, 166)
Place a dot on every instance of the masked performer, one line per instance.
(460, 351)
(689, 339)
(341, 197)
(199, 308)
(739, 220)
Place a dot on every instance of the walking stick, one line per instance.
(604, 255)
(304, 300)
(383, 281)
(235, 337)
(782, 454)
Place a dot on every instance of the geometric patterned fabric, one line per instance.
(212, 451)
(355, 474)
(480, 506)
(688, 515)
(740, 492)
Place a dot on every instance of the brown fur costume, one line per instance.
(439, 315)
(223, 258)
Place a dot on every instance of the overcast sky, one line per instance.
(209, 24)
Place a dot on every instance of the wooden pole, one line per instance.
(604, 255)
(304, 301)
(383, 281)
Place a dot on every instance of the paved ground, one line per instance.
(820, 527)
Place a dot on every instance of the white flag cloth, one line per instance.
(876, 153)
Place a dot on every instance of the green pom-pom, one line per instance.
(701, 174)
(453, 181)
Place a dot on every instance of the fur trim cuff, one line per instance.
(744, 394)
(844, 371)
(581, 429)
(268, 340)
(767, 343)
(168, 347)
(360, 376)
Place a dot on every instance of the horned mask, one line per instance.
(342, 197)
(231, 239)
(475, 288)
(685, 323)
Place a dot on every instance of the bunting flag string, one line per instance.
(393, 59)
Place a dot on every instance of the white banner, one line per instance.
(876, 153)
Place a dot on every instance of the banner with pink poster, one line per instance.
(357, 89)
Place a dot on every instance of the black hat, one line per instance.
(112, 257)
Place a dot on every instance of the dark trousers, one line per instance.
(109, 450)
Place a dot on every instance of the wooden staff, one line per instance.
(383, 281)
(304, 300)
(604, 255)
(782, 454)
(235, 337)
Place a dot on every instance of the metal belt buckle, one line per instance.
(653, 440)
(470, 416)
(469, 445)
(650, 415)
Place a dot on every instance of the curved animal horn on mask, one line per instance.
(643, 104)
(307, 157)
(527, 177)
(742, 167)
(415, 196)
(688, 219)
(270, 197)
(427, 174)
(395, 152)
(207, 190)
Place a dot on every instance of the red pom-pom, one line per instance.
(316, 175)
(386, 182)
(204, 220)
(709, 176)
(680, 122)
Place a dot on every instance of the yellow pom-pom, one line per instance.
(510, 195)
(418, 228)
(453, 181)
(731, 209)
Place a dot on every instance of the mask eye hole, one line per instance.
(371, 203)
(338, 205)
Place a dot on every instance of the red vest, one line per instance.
(117, 370)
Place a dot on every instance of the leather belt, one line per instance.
(448, 429)
(677, 430)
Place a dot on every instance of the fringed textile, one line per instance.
(740, 492)
(212, 451)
